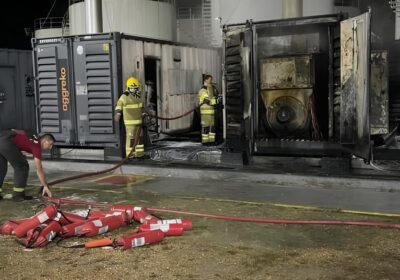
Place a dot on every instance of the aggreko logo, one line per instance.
(64, 89)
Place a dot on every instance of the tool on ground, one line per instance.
(52, 222)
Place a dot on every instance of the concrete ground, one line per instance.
(218, 249)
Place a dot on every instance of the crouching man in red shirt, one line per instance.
(12, 142)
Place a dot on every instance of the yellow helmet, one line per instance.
(132, 85)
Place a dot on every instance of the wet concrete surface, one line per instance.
(217, 249)
(364, 194)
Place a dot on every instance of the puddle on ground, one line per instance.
(124, 180)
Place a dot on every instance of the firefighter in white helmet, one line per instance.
(130, 106)
(207, 100)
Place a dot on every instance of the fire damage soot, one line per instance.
(64, 89)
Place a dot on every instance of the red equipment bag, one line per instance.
(66, 218)
(102, 225)
(141, 216)
(128, 209)
(74, 229)
(186, 223)
(140, 239)
(42, 234)
(104, 214)
(44, 215)
(168, 229)
(9, 226)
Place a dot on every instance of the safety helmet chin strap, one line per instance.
(135, 92)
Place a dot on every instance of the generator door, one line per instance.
(54, 91)
(96, 91)
(238, 87)
(355, 84)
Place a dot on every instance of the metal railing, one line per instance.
(51, 22)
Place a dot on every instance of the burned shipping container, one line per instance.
(79, 80)
(304, 87)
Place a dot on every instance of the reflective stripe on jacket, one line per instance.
(131, 108)
(206, 109)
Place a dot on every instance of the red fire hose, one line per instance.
(137, 135)
(63, 201)
(89, 174)
(172, 118)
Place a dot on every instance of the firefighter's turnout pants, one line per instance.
(10, 153)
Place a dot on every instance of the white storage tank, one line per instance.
(318, 7)
(77, 18)
(145, 18)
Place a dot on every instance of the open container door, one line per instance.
(355, 85)
(238, 87)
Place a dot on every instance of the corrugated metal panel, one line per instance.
(98, 78)
(96, 83)
(132, 61)
(192, 62)
(48, 92)
(152, 49)
(53, 89)
(17, 110)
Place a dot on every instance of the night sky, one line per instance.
(16, 15)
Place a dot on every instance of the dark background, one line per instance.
(17, 15)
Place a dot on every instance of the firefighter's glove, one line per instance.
(117, 117)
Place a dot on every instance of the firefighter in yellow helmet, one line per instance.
(207, 101)
(130, 105)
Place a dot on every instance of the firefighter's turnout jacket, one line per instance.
(131, 107)
(207, 100)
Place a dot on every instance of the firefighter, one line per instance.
(130, 106)
(207, 101)
(12, 142)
